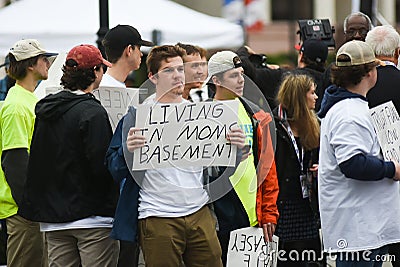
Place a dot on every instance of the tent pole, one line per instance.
(104, 25)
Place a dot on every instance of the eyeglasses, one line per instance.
(353, 32)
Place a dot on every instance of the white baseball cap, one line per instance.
(221, 62)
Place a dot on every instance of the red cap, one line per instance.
(87, 56)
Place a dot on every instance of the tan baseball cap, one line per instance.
(357, 52)
(28, 48)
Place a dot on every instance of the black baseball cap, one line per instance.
(315, 49)
(123, 35)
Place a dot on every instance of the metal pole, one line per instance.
(104, 24)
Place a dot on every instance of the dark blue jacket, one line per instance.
(126, 214)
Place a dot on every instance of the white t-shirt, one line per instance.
(355, 215)
(86, 223)
(171, 192)
(108, 80)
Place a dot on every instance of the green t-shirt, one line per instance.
(244, 179)
(17, 120)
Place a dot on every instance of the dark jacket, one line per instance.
(229, 209)
(287, 164)
(268, 80)
(386, 87)
(67, 179)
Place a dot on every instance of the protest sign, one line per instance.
(186, 134)
(386, 122)
(116, 101)
(247, 248)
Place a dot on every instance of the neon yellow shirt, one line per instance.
(17, 119)
(244, 179)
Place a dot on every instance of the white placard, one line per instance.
(186, 134)
(386, 122)
(55, 74)
(247, 248)
(116, 101)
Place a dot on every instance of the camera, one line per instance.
(317, 29)
(258, 60)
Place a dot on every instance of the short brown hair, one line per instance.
(345, 76)
(18, 69)
(159, 53)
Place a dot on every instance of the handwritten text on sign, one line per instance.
(386, 122)
(247, 248)
(116, 101)
(186, 134)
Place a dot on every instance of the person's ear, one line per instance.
(153, 78)
(127, 50)
(215, 80)
(301, 57)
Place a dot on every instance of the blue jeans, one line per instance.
(367, 258)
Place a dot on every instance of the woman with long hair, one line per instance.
(296, 159)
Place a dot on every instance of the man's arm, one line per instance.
(367, 168)
(14, 163)
(115, 159)
(267, 194)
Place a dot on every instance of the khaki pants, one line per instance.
(25, 243)
(82, 247)
(167, 241)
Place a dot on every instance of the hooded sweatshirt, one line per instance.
(360, 166)
(67, 179)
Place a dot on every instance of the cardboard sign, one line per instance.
(386, 122)
(247, 248)
(186, 134)
(116, 101)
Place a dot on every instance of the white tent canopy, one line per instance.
(61, 24)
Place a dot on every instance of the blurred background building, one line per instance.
(269, 26)
(280, 17)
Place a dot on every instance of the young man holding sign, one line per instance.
(252, 199)
(358, 190)
(175, 223)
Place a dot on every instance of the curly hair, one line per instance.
(77, 79)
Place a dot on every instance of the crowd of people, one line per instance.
(312, 162)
